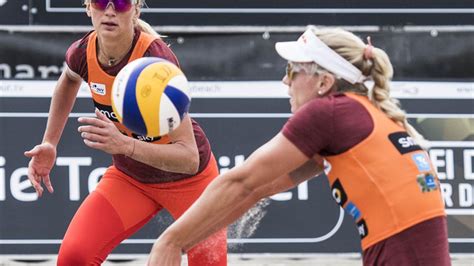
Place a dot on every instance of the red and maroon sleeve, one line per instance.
(76, 57)
(311, 127)
(329, 126)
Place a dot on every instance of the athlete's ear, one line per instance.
(326, 83)
(88, 10)
(136, 16)
(137, 12)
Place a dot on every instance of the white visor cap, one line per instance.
(309, 48)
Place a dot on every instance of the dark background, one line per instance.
(246, 12)
(34, 39)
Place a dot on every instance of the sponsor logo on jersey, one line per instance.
(98, 88)
(362, 228)
(352, 209)
(145, 138)
(107, 111)
(426, 182)
(421, 162)
(403, 142)
(338, 193)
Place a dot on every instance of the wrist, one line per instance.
(171, 240)
(49, 143)
(131, 148)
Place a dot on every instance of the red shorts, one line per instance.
(120, 206)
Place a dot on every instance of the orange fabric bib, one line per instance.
(386, 182)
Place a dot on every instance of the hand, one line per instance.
(100, 133)
(42, 161)
(164, 255)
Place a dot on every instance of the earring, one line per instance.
(320, 93)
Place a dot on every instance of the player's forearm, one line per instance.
(176, 157)
(313, 167)
(180, 156)
(62, 102)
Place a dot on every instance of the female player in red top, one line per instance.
(376, 168)
(148, 174)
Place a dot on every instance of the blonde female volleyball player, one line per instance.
(377, 171)
(147, 175)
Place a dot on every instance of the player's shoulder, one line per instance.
(79, 47)
(335, 99)
(76, 55)
(325, 102)
(81, 44)
(159, 45)
(332, 105)
(160, 48)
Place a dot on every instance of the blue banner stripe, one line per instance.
(179, 99)
(132, 117)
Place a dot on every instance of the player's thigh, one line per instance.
(179, 196)
(110, 214)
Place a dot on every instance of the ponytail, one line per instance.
(381, 73)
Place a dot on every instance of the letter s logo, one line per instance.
(406, 142)
(403, 142)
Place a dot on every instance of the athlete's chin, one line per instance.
(293, 109)
(110, 32)
(292, 104)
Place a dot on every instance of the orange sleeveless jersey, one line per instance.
(386, 182)
(100, 83)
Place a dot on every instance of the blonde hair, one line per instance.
(378, 68)
(145, 27)
(140, 23)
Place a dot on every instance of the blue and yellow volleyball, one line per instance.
(150, 96)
